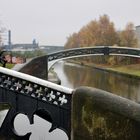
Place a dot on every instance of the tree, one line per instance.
(88, 35)
(2, 30)
(72, 41)
(128, 37)
(103, 33)
(108, 35)
(96, 33)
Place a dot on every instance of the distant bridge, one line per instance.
(89, 51)
(31, 95)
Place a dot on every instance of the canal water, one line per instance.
(73, 76)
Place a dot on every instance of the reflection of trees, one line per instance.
(118, 84)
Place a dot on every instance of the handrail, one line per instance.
(35, 80)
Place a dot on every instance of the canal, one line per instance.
(73, 76)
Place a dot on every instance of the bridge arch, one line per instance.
(90, 51)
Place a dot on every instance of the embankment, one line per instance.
(132, 70)
(38, 67)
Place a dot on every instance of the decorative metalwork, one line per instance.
(132, 52)
(44, 93)
(75, 52)
(101, 50)
(28, 94)
(87, 51)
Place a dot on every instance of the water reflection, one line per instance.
(94, 122)
(73, 76)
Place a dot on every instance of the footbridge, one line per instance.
(83, 113)
(89, 51)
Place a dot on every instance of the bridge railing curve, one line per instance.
(90, 51)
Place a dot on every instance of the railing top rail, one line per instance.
(90, 47)
(94, 50)
(129, 48)
(35, 80)
(65, 50)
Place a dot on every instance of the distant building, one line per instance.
(51, 49)
(24, 47)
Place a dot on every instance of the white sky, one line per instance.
(52, 21)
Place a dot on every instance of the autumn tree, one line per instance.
(2, 30)
(103, 33)
(128, 37)
(72, 41)
(88, 34)
(96, 33)
(107, 33)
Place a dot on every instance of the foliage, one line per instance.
(9, 66)
(95, 33)
(102, 33)
(2, 30)
(127, 36)
(72, 41)
(29, 54)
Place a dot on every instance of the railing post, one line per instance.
(106, 50)
(100, 115)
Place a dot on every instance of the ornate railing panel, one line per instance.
(43, 95)
(70, 53)
(88, 51)
(100, 50)
(124, 51)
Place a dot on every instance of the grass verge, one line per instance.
(132, 70)
(9, 66)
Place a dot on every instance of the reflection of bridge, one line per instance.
(30, 95)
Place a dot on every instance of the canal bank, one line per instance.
(38, 69)
(132, 70)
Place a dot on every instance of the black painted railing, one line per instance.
(27, 94)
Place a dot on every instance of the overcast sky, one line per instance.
(51, 21)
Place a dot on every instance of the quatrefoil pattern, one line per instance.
(35, 90)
